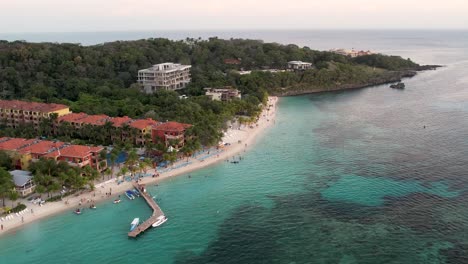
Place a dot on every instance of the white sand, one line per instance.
(246, 136)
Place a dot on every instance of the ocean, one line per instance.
(374, 175)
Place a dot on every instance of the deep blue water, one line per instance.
(374, 175)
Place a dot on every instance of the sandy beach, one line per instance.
(239, 139)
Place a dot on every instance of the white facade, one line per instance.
(164, 76)
(299, 65)
(222, 94)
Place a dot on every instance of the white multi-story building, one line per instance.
(299, 65)
(166, 76)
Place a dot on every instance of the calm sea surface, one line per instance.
(346, 177)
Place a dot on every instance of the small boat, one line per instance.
(116, 201)
(134, 223)
(399, 85)
(77, 211)
(129, 194)
(161, 220)
(136, 192)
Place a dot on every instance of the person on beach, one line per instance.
(2, 227)
(22, 219)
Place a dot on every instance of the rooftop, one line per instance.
(21, 177)
(299, 62)
(171, 126)
(97, 120)
(72, 117)
(75, 151)
(15, 143)
(41, 147)
(119, 121)
(143, 123)
(31, 106)
(166, 67)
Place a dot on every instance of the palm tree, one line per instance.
(6, 184)
(13, 197)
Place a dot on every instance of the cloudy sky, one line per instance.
(114, 15)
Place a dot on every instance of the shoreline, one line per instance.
(400, 76)
(240, 140)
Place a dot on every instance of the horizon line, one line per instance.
(241, 29)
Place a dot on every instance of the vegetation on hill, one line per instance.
(101, 79)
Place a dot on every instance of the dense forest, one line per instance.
(102, 78)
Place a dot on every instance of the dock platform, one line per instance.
(157, 212)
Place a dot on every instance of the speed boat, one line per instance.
(129, 194)
(160, 220)
(134, 223)
(136, 192)
(116, 201)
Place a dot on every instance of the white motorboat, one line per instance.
(134, 223)
(161, 220)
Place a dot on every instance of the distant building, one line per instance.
(351, 53)
(164, 76)
(222, 94)
(299, 65)
(23, 180)
(232, 61)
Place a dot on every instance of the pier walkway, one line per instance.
(157, 212)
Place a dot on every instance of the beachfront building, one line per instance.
(79, 156)
(14, 112)
(143, 128)
(222, 94)
(299, 65)
(24, 151)
(24, 183)
(171, 133)
(164, 76)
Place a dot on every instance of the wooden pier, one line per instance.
(157, 212)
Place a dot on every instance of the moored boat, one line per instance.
(136, 192)
(77, 211)
(129, 195)
(134, 223)
(160, 220)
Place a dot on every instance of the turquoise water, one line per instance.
(346, 177)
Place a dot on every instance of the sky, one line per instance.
(140, 15)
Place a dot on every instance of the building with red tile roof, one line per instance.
(23, 151)
(14, 112)
(94, 120)
(119, 121)
(144, 127)
(171, 133)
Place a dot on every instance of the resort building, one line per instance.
(299, 65)
(171, 133)
(80, 156)
(14, 112)
(23, 180)
(144, 129)
(164, 76)
(24, 151)
(222, 94)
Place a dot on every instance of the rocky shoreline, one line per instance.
(394, 76)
